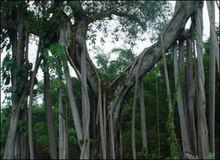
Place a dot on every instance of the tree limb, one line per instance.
(153, 54)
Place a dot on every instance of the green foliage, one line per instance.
(5, 114)
(72, 136)
(111, 68)
(133, 18)
(193, 157)
(58, 51)
(22, 127)
(9, 68)
(40, 131)
(6, 68)
(55, 57)
(211, 156)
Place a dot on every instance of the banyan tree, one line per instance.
(63, 29)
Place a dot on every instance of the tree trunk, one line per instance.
(66, 139)
(150, 56)
(10, 142)
(49, 114)
(203, 145)
(158, 118)
(182, 76)
(112, 137)
(30, 130)
(20, 151)
(82, 133)
(191, 95)
(133, 120)
(143, 117)
(102, 130)
(17, 146)
(214, 57)
(18, 44)
(74, 110)
(121, 143)
(170, 107)
(180, 104)
(85, 100)
(62, 128)
(23, 138)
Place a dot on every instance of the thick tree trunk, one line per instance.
(20, 151)
(143, 117)
(133, 142)
(85, 100)
(191, 95)
(10, 142)
(23, 137)
(214, 57)
(49, 114)
(180, 104)
(101, 123)
(121, 143)
(182, 76)
(203, 145)
(18, 44)
(17, 146)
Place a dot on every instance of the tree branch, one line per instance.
(153, 54)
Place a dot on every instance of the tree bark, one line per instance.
(23, 138)
(49, 114)
(17, 146)
(18, 44)
(10, 142)
(214, 59)
(74, 110)
(85, 100)
(158, 118)
(203, 144)
(191, 95)
(180, 104)
(102, 130)
(62, 127)
(133, 142)
(112, 137)
(121, 143)
(30, 130)
(66, 139)
(143, 117)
